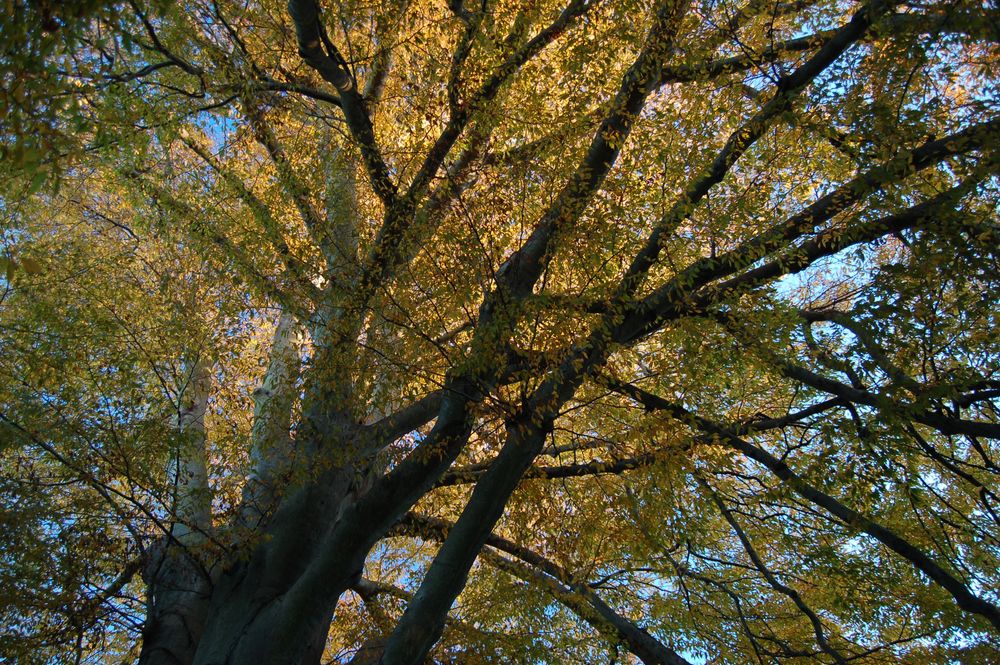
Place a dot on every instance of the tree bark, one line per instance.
(176, 575)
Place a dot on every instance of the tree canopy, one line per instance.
(527, 331)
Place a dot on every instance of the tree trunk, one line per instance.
(176, 575)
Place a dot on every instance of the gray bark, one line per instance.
(177, 579)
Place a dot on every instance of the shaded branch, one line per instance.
(331, 66)
(561, 585)
(675, 296)
(975, 25)
(201, 230)
(290, 181)
(742, 139)
(272, 228)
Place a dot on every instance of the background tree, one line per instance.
(500, 332)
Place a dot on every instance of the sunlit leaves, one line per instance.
(209, 184)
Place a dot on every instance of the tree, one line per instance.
(501, 332)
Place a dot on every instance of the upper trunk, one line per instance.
(176, 572)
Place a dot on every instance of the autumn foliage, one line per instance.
(499, 331)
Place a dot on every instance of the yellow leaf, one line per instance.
(31, 266)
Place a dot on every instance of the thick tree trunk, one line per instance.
(249, 599)
(299, 483)
(179, 589)
(177, 578)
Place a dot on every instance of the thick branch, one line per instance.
(387, 29)
(560, 584)
(308, 29)
(389, 250)
(521, 270)
(270, 442)
(407, 419)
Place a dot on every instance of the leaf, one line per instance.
(31, 266)
(37, 180)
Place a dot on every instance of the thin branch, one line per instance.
(966, 600)
(778, 586)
